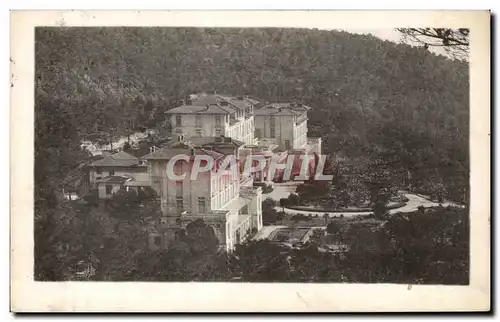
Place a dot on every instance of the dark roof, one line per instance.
(276, 111)
(252, 100)
(196, 109)
(168, 153)
(239, 103)
(96, 157)
(213, 141)
(282, 108)
(121, 158)
(142, 150)
(113, 179)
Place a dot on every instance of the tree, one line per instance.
(261, 261)
(280, 216)
(200, 237)
(269, 216)
(308, 192)
(293, 199)
(380, 210)
(268, 203)
(124, 204)
(454, 41)
(333, 228)
(283, 203)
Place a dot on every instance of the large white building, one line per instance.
(214, 115)
(227, 203)
(285, 125)
(218, 126)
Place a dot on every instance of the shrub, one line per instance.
(380, 210)
(293, 199)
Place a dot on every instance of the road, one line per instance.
(97, 149)
(412, 205)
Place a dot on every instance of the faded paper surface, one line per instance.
(29, 296)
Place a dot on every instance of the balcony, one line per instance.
(210, 215)
(246, 182)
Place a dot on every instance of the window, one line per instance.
(287, 144)
(178, 120)
(109, 189)
(158, 240)
(238, 238)
(197, 119)
(244, 210)
(179, 189)
(273, 132)
(217, 120)
(217, 132)
(98, 170)
(257, 133)
(202, 205)
(272, 120)
(112, 172)
(198, 132)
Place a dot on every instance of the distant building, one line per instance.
(214, 115)
(117, 170)
(283, 124)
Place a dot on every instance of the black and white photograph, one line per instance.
(252, 155)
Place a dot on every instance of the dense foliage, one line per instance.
(424, 247)
(371, 98)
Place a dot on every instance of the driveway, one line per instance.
(284, 190)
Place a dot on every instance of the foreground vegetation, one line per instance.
(429, 246)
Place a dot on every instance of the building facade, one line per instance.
(227, 203)
(219, 126)
(110, 174)
(283, 124)
(205, 115)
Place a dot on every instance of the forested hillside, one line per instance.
(371, 98)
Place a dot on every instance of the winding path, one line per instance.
(282, 191)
